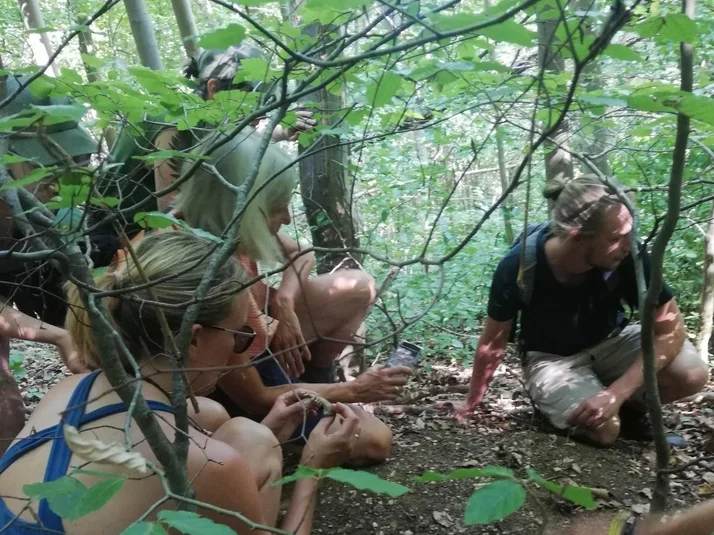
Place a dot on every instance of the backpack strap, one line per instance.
(526, 271)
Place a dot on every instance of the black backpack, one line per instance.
(526, 275)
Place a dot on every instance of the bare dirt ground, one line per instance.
(505, 432)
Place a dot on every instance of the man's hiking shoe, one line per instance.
(635, 425)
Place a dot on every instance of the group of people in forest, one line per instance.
(260, 358)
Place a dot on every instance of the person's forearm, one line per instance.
(294, 279)
(15, 324)
(338, 392)
(485, 365)
(298, 519)
(698, 521)
(666, 348)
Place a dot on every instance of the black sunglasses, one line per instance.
(242, 338)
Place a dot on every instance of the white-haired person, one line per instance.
(304, 323)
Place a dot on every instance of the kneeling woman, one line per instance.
(304, 324)
(232, 469)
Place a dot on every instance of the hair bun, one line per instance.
(553, 189)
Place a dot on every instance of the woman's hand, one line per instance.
(331, 442)
(289, 410)
(380, 384)
(288, 342)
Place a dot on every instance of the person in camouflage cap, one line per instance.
(221, 66)
(214, 71)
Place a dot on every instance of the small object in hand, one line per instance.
(406, 354)
(322, 402)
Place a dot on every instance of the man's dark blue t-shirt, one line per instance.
(564, 320)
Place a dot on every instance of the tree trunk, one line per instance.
(326, 192)
(143, 31)
(648, 297)
(599, 140)
(558, 161)
(187, 26)
(706, 314)
(39, 42)
(84, 40)
(507, 205)
(324, 185)
(86, 46)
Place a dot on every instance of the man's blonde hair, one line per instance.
(207, 203)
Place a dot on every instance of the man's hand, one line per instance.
(465, 409)
(380, 384)
(595, 410)
(288, 341)
(303, 123)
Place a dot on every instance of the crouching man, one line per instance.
(582, 361)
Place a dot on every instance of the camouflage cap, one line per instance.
(224, 64)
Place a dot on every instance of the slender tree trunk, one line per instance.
(598, 141)
(143, 31)
(558, 161)
(706, 314)
(507, 205)
(650, 295)
(86, 47)
(84, 40)
(39, 42)
(187, 26)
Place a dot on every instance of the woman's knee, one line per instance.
(256, 444)
(211, 414)
(358, 290)
(375, 441)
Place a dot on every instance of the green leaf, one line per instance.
(581, 496)
(494, 501)
(8, 159)
(154, 220)
(166, 154)
(510, 32)
(383, 89)
(144, 528)
(92, 61)
(679, 27)
(71, 499)
(161, 220)
(231, 35)
(367, 481)
(695, 106)
(193, 524)
(649, 28)
(622, 52)
(59, 113)
(34, 176)
(463, 473)
(357, 478)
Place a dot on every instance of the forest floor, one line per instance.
(503, 432)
